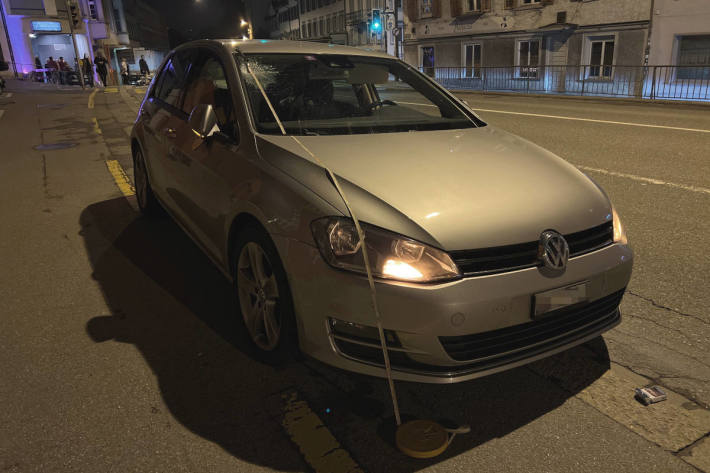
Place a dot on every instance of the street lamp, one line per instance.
(249, 34)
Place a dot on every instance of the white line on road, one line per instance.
(697, 130)
(648, 180)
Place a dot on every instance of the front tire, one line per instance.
(147, 202)
(264, 299)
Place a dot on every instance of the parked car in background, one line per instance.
(488, 251)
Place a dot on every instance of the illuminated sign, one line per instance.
(54, 26)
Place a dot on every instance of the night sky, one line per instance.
(195, 19)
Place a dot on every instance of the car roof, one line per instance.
(269, 46)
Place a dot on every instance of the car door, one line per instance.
(161, 115)
(205, 165)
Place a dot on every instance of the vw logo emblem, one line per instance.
(553, 250)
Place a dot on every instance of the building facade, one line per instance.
(549, 45)
(333, 21)
(38, 29)
(680, 34)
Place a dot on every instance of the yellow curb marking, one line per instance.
(317, 445)
(119, 175)
(97, 129)
(111, 90)
(92, 97)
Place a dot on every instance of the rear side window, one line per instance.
(172, 78)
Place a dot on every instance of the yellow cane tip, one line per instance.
(421, 439)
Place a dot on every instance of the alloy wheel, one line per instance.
(259, 296)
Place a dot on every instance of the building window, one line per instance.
(472, 60)
(473, 5)
(93, 11)
(427, 60)
(527, 58)
(601, 58)
(425, 8)
(529, 2)
(599, 54)
(693, 51)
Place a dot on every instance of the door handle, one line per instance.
(169, 132)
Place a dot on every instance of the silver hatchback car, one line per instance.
(488, 251)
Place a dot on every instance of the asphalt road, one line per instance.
(118, 353)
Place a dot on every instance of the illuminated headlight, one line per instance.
(619, 232)
(391, 256)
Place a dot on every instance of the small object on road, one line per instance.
(425, 438)
(651, 395)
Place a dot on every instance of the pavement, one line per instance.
(118, 352)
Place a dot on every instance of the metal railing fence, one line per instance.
(648, 82)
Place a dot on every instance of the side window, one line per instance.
(172, 78)
(209, 86)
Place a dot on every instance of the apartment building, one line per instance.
(42, 28)
(333, 21)
(530, 42)
(284, 20)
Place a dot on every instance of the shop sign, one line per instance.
(51, 26)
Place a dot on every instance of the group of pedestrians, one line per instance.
(58, 71)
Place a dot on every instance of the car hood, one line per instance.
(462, 189)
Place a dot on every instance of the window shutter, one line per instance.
(436, 8)
(456, 8)
(413, 10)
(485, 5)
(509, 4)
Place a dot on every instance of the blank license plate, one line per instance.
(558, 298)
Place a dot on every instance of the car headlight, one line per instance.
(391, 256)
(619, 232)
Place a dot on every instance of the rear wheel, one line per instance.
(265, 305)
(147, 203)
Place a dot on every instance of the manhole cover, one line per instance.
(53, 146)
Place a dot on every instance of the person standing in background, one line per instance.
(53, 68)
(87, 69)
(39, 77)
(145, 70)
(63, 68)
(101, 67)
(124, 71)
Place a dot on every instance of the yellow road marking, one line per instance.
(317, 445)
(97, 129)
(119, 175)
(91, 98)
(111, 90)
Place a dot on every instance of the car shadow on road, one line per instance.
(169, 301)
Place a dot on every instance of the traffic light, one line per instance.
(74, 14)
(376, 21)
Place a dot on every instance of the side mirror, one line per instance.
(202, 120)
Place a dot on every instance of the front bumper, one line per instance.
(425, 320)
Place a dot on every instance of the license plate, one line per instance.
(544, 302)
